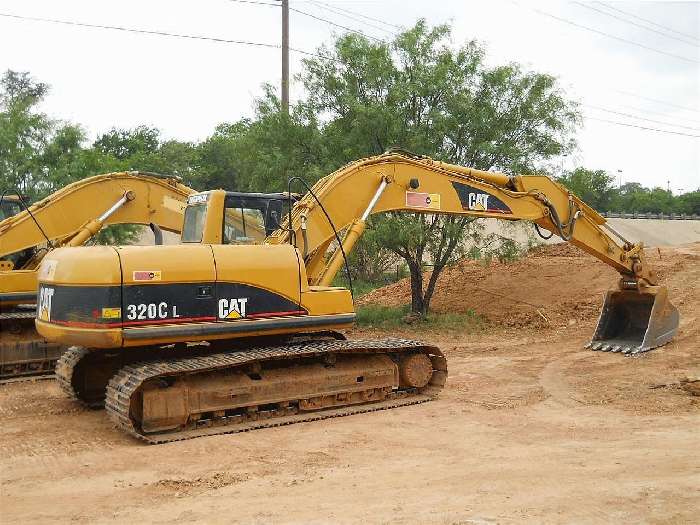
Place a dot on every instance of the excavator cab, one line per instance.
(248, 218)
(9, 206)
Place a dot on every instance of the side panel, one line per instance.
(79, 306)
(258, 281)
(167, 284)
(146, 304)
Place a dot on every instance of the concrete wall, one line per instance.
(652, 232)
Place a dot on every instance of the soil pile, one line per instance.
(554, 286)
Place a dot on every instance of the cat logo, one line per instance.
(478, 201)
(44, 307)
(232, 308)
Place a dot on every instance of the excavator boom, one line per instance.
(637, 315)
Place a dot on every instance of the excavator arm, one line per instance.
(637, 314)
(397, 182)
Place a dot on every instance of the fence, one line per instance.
(649, 215)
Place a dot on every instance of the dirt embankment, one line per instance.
(554, 286)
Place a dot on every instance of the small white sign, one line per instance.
(198, 198)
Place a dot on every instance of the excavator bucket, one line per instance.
(634, 321)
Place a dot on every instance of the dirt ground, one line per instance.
(530, 427)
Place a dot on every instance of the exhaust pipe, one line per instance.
(635, 321)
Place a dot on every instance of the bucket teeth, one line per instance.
(635, 321)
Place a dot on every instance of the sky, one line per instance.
(632, 63)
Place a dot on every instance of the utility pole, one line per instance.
(285, 56)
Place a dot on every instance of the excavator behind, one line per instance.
(68, 218)
(10, 205)
(233, 331)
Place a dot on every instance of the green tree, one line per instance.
(35, 150)
(421, 94)
(689, 203)
(142, 149)
(261, 154)
(595, 187)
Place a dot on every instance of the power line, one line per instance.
(333, 10)
(645, 20)
(396, 26)
(156, 33)
(634, 23)
(310, 15)
(643, 127)
(608, 35)
(640, 118)
(657, 100)
(299, 11)
(667, 115)
(256, 2)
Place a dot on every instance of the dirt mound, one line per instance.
(554, 286)
(562, 249)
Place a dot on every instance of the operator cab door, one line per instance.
(254, 280)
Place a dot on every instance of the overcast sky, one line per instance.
(103, 78)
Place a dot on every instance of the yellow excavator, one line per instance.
(68, 218)
(231, 331)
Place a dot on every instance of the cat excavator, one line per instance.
(67, 218)
(231, 331)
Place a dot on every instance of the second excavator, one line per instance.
(67, 218)
(232, 331)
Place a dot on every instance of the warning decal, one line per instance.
(423, 200)
(150, 275)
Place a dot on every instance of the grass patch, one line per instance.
(361, 287)
(394, 317)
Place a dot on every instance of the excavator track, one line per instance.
(128, 384)
(64, 372)
(23, 353)
(83, 373)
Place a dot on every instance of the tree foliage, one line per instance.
(597, 189)
(421, 94)
(35, 150)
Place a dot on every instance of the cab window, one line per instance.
(193, 226)
(244, 225)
